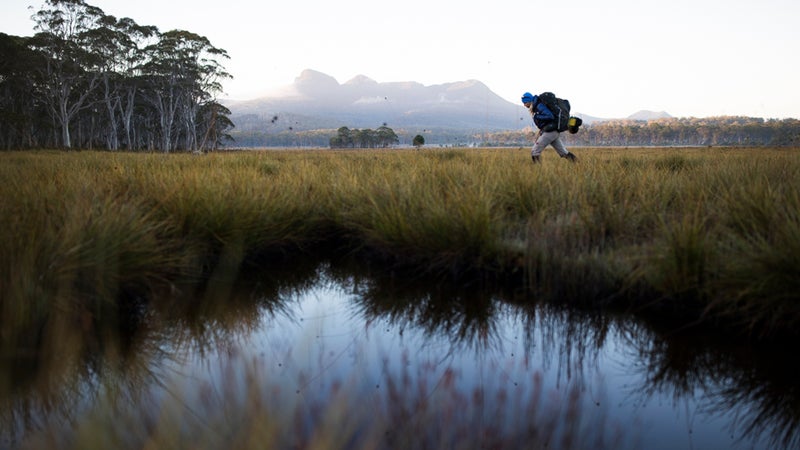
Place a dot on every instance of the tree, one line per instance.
(87, 78)
(182, 74)
(343, 138)
(386, 137)
(346, 138)
(213, 118)
(68, 75)
(20, 112)
(365, 138)
(418, 141)
(117, 43)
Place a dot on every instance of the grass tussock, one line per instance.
(714, 233)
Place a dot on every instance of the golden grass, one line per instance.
(711, 231)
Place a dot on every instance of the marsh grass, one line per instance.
(710, 231)
(426, 208)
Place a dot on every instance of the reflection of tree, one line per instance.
(755, 388)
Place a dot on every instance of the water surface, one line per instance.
(354, 358)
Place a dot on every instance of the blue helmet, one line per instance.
(527, 97)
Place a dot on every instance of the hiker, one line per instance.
(545, 121)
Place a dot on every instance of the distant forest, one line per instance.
(726, 130)
(714, 131)
(89, 80)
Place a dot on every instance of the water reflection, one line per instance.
(299, 354)
(755, 390)
(472, 319)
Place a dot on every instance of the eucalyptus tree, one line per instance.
(365, 138)
(344, 138)
(210, 75)
(116, 46)
(387, 137)
(69, 76)
(182, 74)
(214, 118)
(133, 57)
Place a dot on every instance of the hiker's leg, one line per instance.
(559, 146)
(562, 150)
(543, 140)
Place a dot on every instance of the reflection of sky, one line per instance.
(324, 341)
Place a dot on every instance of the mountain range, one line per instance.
(317, 101)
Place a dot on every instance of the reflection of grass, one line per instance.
(694, 229)
(753, 388)
(423, 407)
(57, 378)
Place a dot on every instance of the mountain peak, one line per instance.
(467, 84)
(313, 83)
(312, 75)
(361, 80)
(649, 115)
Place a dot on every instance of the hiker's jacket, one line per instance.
(542, 116)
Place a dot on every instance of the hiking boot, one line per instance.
(536, 159)
(571, 157)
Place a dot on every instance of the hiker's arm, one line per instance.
(545, 111)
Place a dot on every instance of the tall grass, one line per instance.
(710, 232)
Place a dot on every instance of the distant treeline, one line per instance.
(330, 138)
(727, 130)
(714, 131)
(89, 80)
(383, 137)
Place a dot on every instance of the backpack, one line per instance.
(559, 107)
(574, 124)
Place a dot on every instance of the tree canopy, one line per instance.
(383, 137)
(89, 80)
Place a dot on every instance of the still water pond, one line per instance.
(334, 359)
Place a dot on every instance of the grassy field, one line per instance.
(706, 235)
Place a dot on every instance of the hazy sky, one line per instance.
(610, 58)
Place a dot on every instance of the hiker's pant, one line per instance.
(549, 138)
